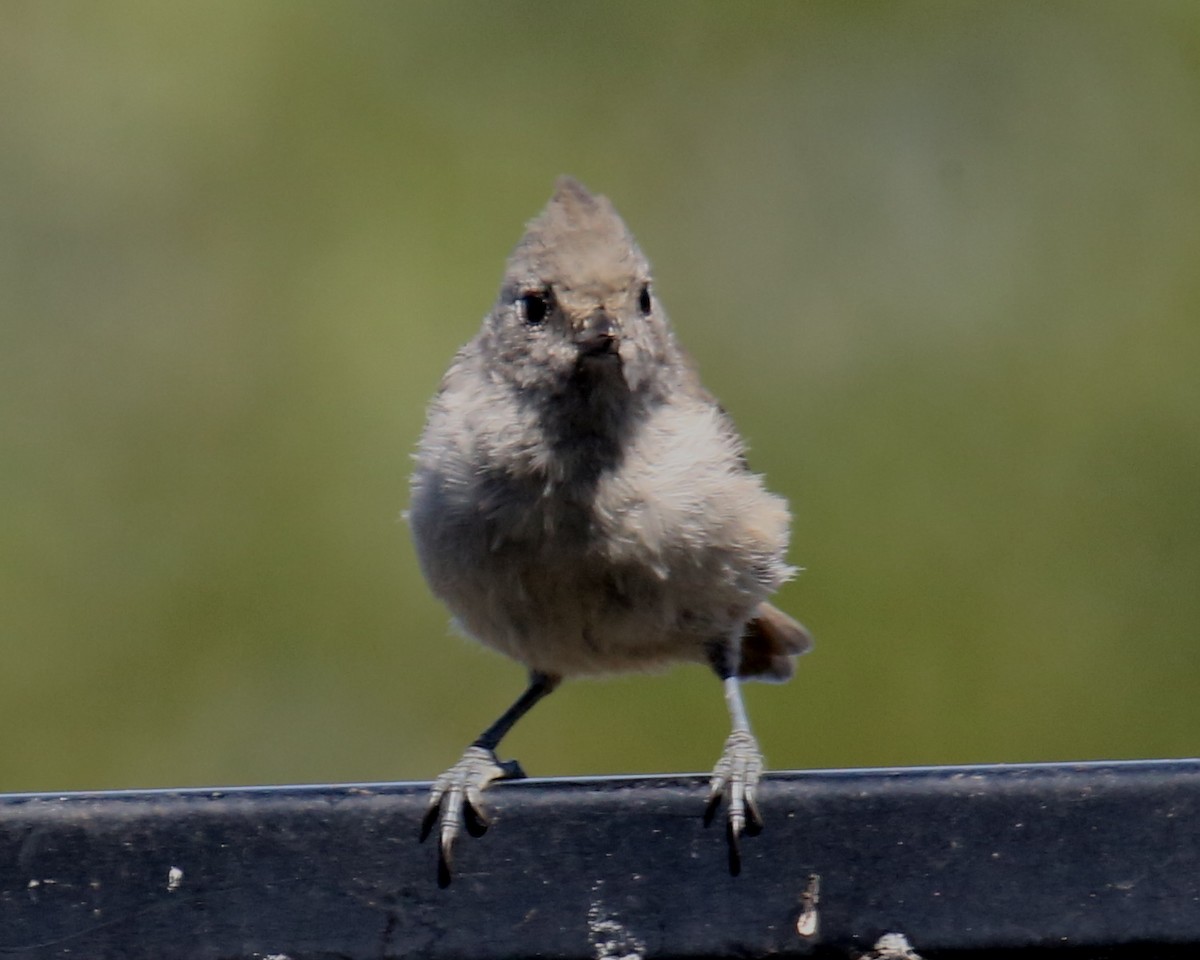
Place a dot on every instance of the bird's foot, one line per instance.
(737, 774)
(454, 801)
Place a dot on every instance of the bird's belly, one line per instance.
(627, 579)
(575, 614)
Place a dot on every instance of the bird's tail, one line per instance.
(770, 644)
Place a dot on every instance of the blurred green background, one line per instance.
(940, 260)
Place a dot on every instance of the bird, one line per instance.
(581, 503)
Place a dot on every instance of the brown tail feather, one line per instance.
(770, 644)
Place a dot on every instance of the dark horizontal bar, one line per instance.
(961, 861)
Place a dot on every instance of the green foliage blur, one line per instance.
(941, 261)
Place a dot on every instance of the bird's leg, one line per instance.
(455, 798)
(737, 772)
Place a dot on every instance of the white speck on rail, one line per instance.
(808, 921)
(610, 938)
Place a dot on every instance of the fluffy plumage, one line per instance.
(583, 505)
(592, 516)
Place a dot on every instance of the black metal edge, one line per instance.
(964, 861)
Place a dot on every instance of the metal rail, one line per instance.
(1067, 860)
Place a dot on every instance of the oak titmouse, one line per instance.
(582, 504)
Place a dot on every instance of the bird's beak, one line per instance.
(599, 336)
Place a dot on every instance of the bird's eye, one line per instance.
(644, 300)
(535, 306)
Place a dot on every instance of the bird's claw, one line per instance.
(455, 802)
(736, 775)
